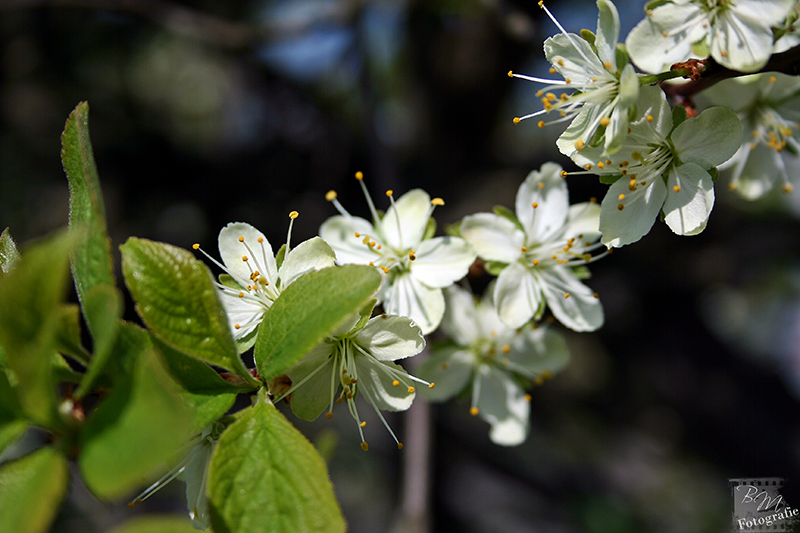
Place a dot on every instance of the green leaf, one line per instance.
(265, 477)
(12, 426)
(157, 524)
(104, 304)
(280, 256)
(68, 333)
(92, 263)
(430, 229)
(176, 297)
(307, 311)
(609, 179)
(508, 214)
(30, 313)
(31, 490)
(494, 267)
(141, 424)
(621, 56)
(11, 432)
(8, 253)
(204, 390)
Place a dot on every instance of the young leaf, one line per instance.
(12, 425)
(8, 253)
(30, 312)
(31, 490)
(176, 297)
(141, 424)
(92, 263)
(307, 311)
(103, 303)
(266, 477)
(68, 333)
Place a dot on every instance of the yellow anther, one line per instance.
(664, 33)
(564, 173)
(331, 195)
(788, 188)
(621, 197)
(677, 188)
(541, 185)
(600, 164)
(506, 348)
(527, 397)
(411, 390)
(395, 383)
(620, 207)
(596, 295)
(363, 424)
(587, 166)
(560, 62)
(338, 400)
(473, 411)
(553, 70)
(523, 249)
(389, 192)
(399, 445)
(607, 64)
(241, 294)
(773, 79)
(534, 205)
(535, 262)
(649, 118)
(516, 120)
(244, 258)
(431, 385)
(551, 97)
(357, 235)
(579, 145)
(328, 415)
(364, 446)
(636, 156)
(241, 239)
(237, 326)
(437, 202)
(260, 239)
(605, 121)
(294, 214)
(195, 246)
(566, 295)
(510, 73)
(564, 96)
(359, 176)
(592, 200)
(540, 123)
(412, 255)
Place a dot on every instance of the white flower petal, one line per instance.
(569, 56)
(442, 260)
(607, 33)
(502, 403)
(340, 233)
(495, 238)
(581, 310)
(389, 338)
(708, 139)
(653, 52)
(411, 211)
(687, 210)
(743, 34)
(539, 350)
(260, 257)
(449, 369)
(460, 320)
(548, 190)
(313, 254)
(375, 380)
(242, 311)
(517, 295)
(406, 296)
(640, 209)
(583, 222)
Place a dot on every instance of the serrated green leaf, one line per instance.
(31, 490)
(30, 311)
(141, 424)
(92, 263)
(157, 524)
(104, 304)
(204, 390)
(307, 311)
(265, 477)
(8, 253)
(176, 297)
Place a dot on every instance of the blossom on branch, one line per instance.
(663, 167)
(603, 82)
(737, 34)
(535, 251)
(416, 265)
(497, 362)
(768, 106)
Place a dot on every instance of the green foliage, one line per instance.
(104, 304)
(678, 116)
(141, 424)
(12, 424)
(31, 490)
(157, 524)
(30, 314)
(176, 297)
(307, 311)
(265, 477)
(92, 263)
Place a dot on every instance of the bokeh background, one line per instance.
(205, 112)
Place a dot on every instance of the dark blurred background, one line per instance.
(205, 112)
